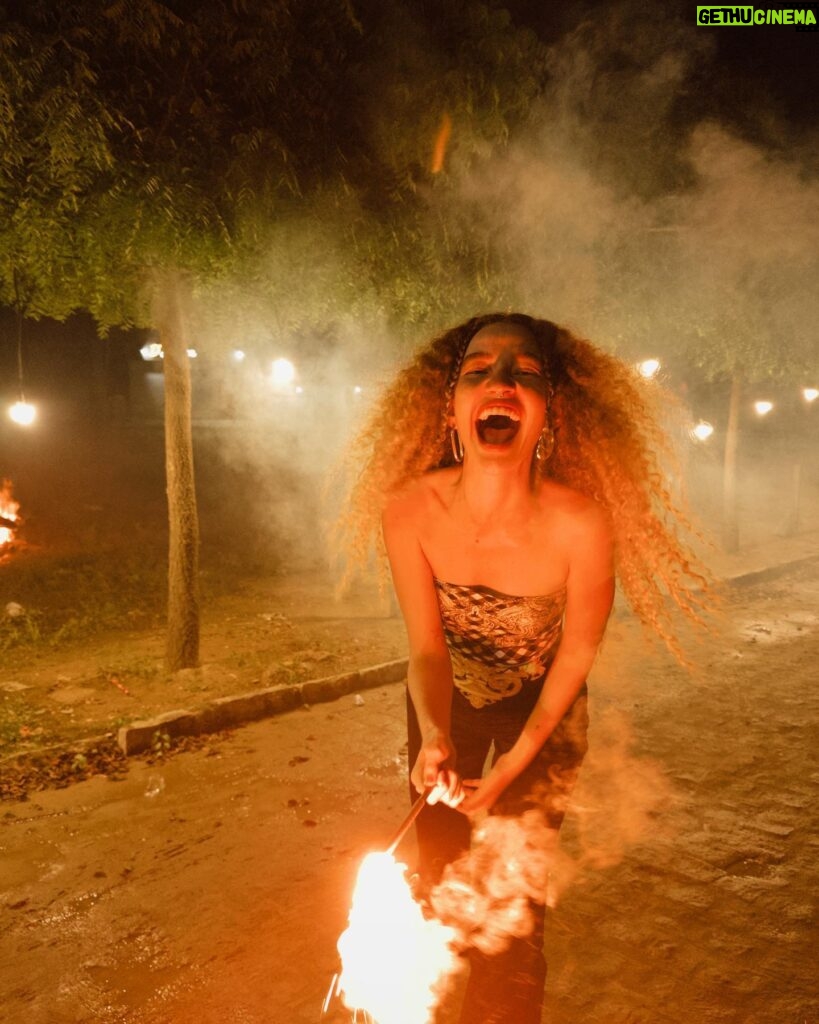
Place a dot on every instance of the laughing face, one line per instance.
(499, 405)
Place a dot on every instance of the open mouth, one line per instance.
(497, 425)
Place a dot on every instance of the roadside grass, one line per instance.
(58, 605)
(51, 603)
(139, 667)
(23, 726)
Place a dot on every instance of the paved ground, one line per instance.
(214, 887)
(711, 915)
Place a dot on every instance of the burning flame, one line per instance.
(394, 960)
(8, 513)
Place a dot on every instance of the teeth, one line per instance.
(498, 410)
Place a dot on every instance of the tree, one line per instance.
(145, 143)
(55, 150)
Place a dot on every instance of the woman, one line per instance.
(512, 464)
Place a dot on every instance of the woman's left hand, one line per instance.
(481, 794)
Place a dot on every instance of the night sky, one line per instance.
(775, 64)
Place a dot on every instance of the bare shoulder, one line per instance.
(574, 514)
(420, 499)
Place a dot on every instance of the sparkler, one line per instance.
(393, 956)
(406, 824)
(400, 960)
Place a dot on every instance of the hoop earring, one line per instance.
(545, 444)
(457, 446)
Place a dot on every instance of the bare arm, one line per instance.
(590, 593)
(430, 668)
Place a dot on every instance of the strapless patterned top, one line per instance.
(498, 643)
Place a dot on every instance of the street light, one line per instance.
(238, 355)
(763, 408)
(282, 372)
(810, 394)
(702, 431)
(151, 350)
(23, 413)
(649, 368)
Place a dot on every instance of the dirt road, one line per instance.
(214, 887)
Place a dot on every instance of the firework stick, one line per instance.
(415, 810)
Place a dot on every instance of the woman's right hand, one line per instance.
(431, 772)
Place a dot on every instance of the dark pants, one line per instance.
(506, 988)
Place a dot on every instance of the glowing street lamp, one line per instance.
(238, 355)
(810, 394)
(282, 373)
(151, 350)
(23, 413)
(763, 408)
(702, 431)
(649, 368)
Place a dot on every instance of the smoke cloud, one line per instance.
(487, 895)
(628, 209)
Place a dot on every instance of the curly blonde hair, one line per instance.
(608, 446)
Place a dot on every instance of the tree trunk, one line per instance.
(730, 519)
(182, 641)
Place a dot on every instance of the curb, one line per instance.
(228, 712)
(771, 572)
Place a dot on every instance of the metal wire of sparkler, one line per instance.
(406, 824)
(358, 1017)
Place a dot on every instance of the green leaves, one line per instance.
(228, 138)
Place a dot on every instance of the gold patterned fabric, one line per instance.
(498, 642)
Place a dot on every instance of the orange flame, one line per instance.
(8, 512)
(441, 143)
(394, 960)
